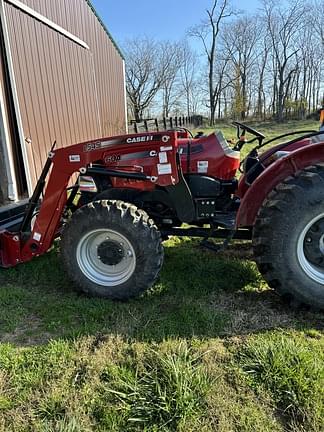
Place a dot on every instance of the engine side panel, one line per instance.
(209, 156)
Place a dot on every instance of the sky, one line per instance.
(161, 19)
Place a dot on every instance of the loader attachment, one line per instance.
(12, 215)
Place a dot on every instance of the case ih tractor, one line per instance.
(145, 187)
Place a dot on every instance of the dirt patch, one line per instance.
(29, 333)
(239, 250)
(253, 312)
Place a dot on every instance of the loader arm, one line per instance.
(62, 163)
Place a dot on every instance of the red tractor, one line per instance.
(144, 187)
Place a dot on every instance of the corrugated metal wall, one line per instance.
(65, 91)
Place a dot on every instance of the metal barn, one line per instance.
(61, 78)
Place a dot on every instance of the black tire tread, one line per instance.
(272, 211)
(127, 215)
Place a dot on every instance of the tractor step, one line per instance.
(225, 220)
(241, 234)
(11, 215)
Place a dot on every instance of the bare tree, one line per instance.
(308, 77)
(240, 42)
(207, 32)
(146, 70)
(283, 27)
(188, 78)
(224, 78)
(261, 68)
(270, 63)
(173, 58)
(317, 19)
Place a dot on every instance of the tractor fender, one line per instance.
(274, 174)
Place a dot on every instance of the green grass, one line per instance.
(290, 367)
(208, 348)
(269, 128)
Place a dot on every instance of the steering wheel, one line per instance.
(248, 129)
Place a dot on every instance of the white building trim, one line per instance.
(47, 22)
(7, 151)
(125, 96)
(8, 55)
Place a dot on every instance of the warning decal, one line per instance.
(202, 166)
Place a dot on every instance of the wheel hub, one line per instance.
(110, 252)
(106, 257)
(310, 249)
(314, 244)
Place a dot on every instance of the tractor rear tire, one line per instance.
(111, 249)
(288, 238)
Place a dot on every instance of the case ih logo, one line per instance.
(140, 139)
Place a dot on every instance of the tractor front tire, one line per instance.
(288, 238)
(111, 249)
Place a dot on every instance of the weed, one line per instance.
(163, 391)
(292, 370)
